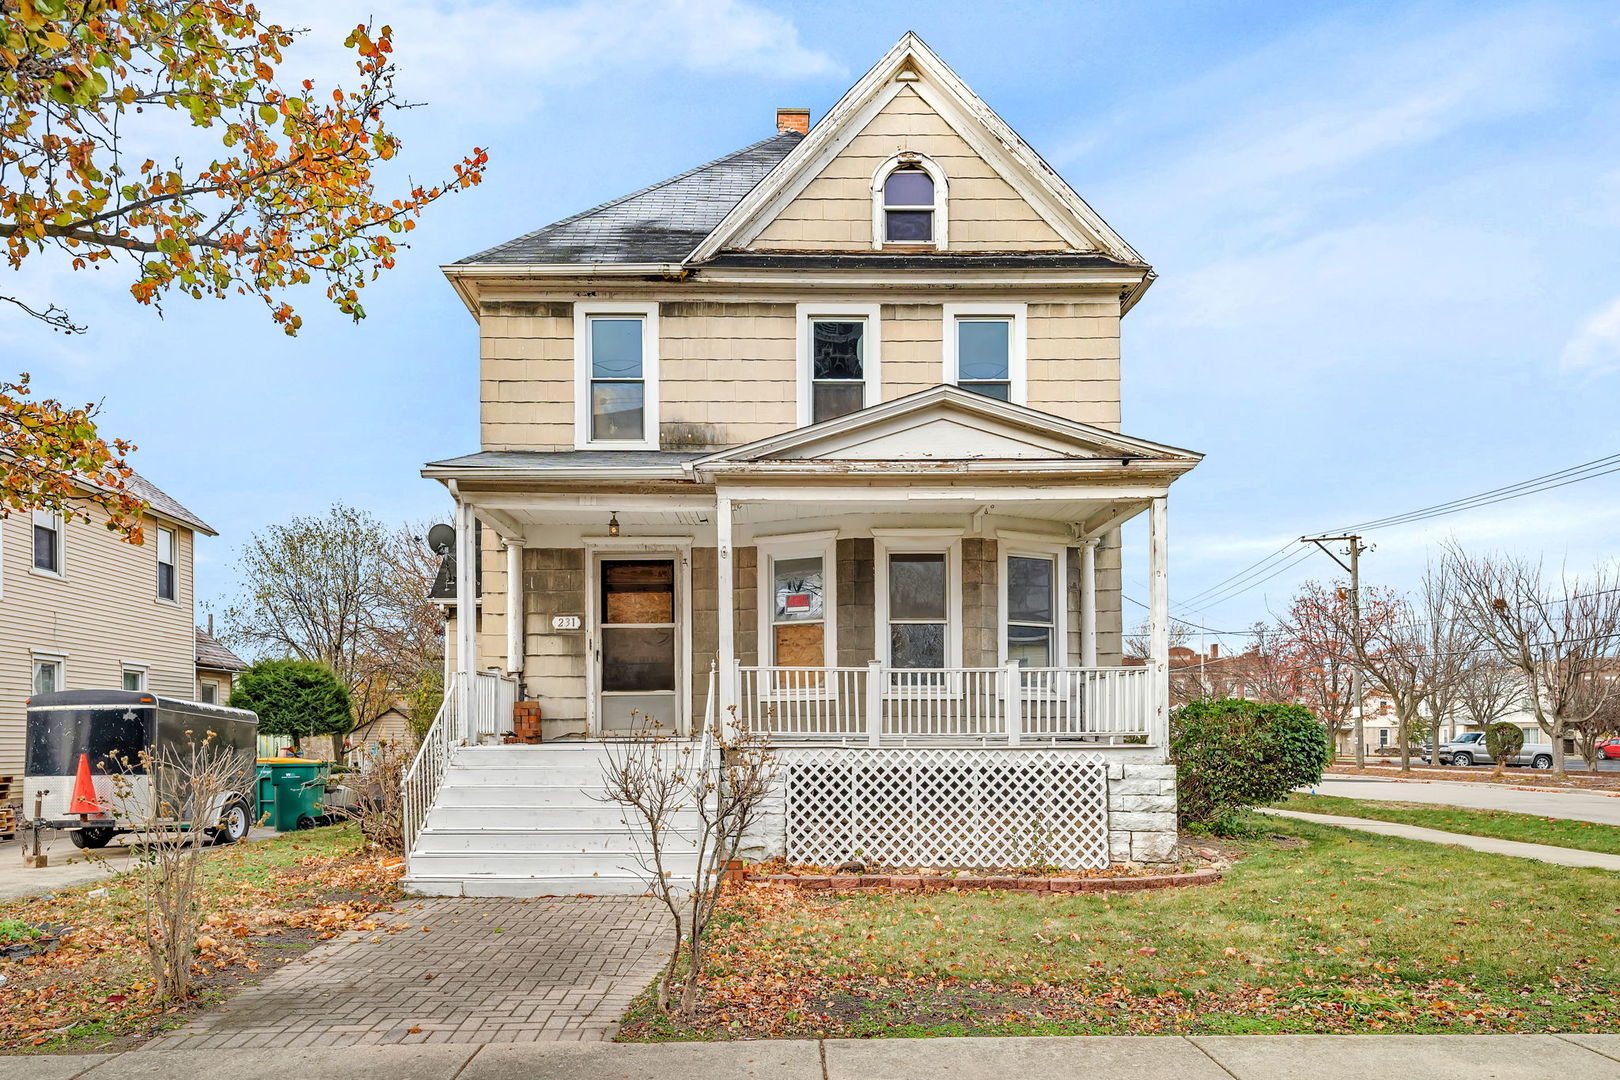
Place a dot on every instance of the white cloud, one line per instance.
(500, 55)
(1595, 348)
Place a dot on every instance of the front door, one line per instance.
(637, 648)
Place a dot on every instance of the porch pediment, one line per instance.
(947, 424)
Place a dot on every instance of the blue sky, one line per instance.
(1388, 237)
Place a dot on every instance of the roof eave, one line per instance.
(462, 474)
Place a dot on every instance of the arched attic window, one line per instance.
(908, 203)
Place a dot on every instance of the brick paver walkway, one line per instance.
(485, 971)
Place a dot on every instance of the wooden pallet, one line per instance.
(8, 813)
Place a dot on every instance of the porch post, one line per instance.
(466, 613)
(725, 604)
(514, 608)
(1088, 602)
(1159, 615)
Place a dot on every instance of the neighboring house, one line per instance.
(820, 438)
(392, 726)
(82, 609)
(216, 667)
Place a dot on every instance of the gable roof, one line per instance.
(981, 429)
(214, 656)
(163, 504)
(661, 223)
(911, 63)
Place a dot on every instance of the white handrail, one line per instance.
(469, 710)
(1007, 705)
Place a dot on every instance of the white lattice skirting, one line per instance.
(960, 807)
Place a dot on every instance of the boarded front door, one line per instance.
(637, 654)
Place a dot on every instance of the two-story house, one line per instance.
(820, 438)
(82, 609)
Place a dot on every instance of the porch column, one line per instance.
(1159, 616)
(1088, 602)
(514, 608)
(466, 612)
(725, 613)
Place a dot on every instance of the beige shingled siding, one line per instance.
(834, 211)
(101, 614)
(727, 373)
(1073, 367)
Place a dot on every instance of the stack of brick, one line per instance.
(526, 721)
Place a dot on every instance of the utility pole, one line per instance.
(1354, 567)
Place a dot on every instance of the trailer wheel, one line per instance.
(91, 838)
(235, 826)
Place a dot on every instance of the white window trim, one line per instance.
(886, 542)
(1017, 343)
(157, 561)
(57, 522)
(1058, 552)
(140, 669)
(39, 656)
(583, 310)
(941, 207)
(872, 358)
(798, 546)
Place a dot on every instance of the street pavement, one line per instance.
(1250, 1057)
(68, 865)
(1574, 805)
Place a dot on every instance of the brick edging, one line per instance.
(925, 883)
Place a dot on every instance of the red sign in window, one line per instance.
(798, 601)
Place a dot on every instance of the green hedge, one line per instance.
(1232, 754)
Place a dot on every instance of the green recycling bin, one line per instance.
(292, 792)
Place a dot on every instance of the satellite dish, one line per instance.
(441, 538)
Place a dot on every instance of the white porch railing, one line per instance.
(1008, 705)
(481, 706)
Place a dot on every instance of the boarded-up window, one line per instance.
(798, 612)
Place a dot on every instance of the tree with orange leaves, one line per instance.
(288, 196)
(52, 458)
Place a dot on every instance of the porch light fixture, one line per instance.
(613, 524)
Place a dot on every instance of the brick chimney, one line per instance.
(1214, 650)
(793, 120)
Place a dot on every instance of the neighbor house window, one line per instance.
(47, 674)
(985, 349)
(208, 692)
(134, 678)
(165, 563)
(47, 541)
(838, 361)
(1031, 610)
(616, 375)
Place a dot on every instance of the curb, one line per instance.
(921, 883)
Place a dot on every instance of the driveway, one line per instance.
(453, 970)
(68, 866)
(1574, 805)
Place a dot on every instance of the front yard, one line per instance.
(1501, 824)
(1316, 930)
(276, 898)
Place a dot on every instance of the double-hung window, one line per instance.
(919, 604)
(1032, 610)
(909, 202)
(985, 349)
(838, 362)
(165, 564)
(47, 541)
(616, 376)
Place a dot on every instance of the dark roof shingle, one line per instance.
(211, 654)
(162, 503)
(660, 223)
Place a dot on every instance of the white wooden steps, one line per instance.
(534, 821)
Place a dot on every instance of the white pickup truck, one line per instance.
(1469, 749)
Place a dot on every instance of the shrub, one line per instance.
(1503, 740)
(294, 698)
(1233, 754)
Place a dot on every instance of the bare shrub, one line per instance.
(379, 798)
(176, 798)
(723, 779)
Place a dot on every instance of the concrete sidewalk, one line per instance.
(1542, 852)
(1253, 1057)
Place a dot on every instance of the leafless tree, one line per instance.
(190, 782)
(1447, 647)
(1488, 689)
(1316, 647)
(1271, 666)
(1598, 709)
(1558, 632)
(723, 780)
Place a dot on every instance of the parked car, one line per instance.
(1469, 749)
(1608, 750)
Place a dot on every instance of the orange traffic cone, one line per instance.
(84, 790)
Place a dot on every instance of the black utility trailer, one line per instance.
(119, 733)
